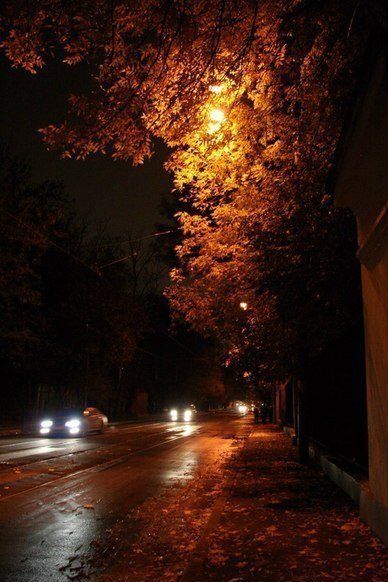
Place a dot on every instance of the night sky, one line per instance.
(128, 198)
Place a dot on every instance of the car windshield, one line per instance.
(62, 413)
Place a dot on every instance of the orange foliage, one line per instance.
(251, 98)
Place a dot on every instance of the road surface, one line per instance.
(57, 495)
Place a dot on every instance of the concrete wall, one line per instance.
(376, 344)
(362, 185)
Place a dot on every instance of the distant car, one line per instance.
(183, 413)
(72, 422)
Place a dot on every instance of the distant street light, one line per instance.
(244, 305)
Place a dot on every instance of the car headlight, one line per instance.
(74, 423)
(187, 415)
(174, 414)
(46, 423)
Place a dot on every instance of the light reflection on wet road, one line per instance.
(57, 495)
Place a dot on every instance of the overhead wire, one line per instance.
(154, 235)
(52, 243)
(125, 258)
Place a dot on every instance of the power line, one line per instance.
(121, 259)
(81, 262)
(183, 346)
(52, 243)
(159, 357)
(154, 235)
(115, 262)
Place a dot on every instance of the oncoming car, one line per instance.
(72, 422)
(242, 409)
(183, 413)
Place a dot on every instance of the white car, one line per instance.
(183, 413)
(72, 422)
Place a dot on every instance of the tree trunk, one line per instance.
(303, 440)
(274, 413)
(120, 390)
(295, 415)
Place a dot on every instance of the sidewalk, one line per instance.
(285, 521)
(259, 515)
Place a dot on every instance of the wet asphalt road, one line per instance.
(57, 495)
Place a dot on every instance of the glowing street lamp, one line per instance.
(244, 305)
(217, 115)
(215, 89)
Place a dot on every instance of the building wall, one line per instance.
(375, 285)
(362, 185)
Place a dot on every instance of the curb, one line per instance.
(371, 511)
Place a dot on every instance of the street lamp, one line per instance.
(217, 115)
(215, 89)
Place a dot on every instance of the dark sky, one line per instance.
(127, 197)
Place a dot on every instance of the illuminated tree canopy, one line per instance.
(250, 97)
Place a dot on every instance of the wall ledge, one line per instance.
(372, 512)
